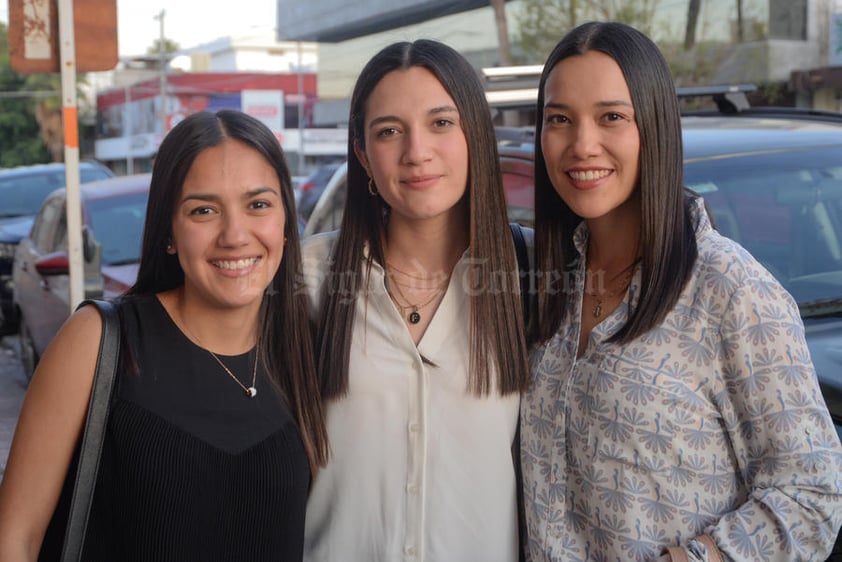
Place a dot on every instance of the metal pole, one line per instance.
(129, 132)
(300, 112)
(162, 55)
(67, 52)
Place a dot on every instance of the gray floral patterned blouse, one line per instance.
(712, 422)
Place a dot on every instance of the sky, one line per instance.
(187, 22)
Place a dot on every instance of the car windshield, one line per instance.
(22, 195)
(785, 208)
(117, 223)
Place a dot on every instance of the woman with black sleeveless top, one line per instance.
(216, 427)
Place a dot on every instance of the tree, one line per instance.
(19, 132)
(170, 46)
(542, 23)
(693, 9)
(502, 32)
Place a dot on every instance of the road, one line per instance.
(12, 389)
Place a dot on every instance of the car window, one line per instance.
(785, 208)
(23, 195)
(117, 224)
(92, 174)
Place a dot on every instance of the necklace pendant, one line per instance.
(597, 310)
(414, 317)
(251, 392)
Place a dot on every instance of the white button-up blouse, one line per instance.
(420, 469)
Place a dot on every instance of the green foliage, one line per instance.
(170, 46)
(20, 137)
(542, 23)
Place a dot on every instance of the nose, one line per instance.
(234, 230)
(586, 141)
(417, 148)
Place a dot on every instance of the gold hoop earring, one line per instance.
(372, 190)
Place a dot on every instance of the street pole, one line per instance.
(129, 132)
(300, 112)
(70, 117)
(162, 54)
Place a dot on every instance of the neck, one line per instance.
(425, 247)
(614, 241)
(222, 331)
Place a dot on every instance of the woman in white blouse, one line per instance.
(421, 348)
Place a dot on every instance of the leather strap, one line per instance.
(524, 273)
(524, 276)
(94, 432)
(679, 554)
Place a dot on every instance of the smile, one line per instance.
(234, 265)
(588, 175)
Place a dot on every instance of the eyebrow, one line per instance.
(247, 195)
(393, 118)
(608, 103)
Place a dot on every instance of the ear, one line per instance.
(360, 154)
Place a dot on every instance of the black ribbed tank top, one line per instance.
(192, 468)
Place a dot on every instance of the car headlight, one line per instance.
(7, 250)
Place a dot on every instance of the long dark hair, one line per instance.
(496, 322)
(667, 239)
(286, 344)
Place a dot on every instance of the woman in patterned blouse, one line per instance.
(675, 412)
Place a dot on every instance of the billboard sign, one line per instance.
(267, 106)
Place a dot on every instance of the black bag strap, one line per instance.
(524, 273)
(525, 276)
(94, 432)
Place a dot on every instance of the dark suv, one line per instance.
(22, 190)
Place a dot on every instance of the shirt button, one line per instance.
(555, 532)
(414, 427)
(409, 551)
(412, 489)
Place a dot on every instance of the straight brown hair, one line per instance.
(668, 243)
(286, 344)
(496, 317)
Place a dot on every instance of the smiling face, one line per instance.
(228, 226)
(590, 140)
(415, 149)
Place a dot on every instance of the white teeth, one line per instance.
(589, 175)
(235, 264)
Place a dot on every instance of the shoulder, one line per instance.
(726, 268)
(316, 252)
(317, 248)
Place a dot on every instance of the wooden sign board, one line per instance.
(34, 40)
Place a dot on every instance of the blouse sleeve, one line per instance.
(784, 441)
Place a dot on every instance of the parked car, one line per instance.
(22, 190)
(772, 180)
(113, 214)
(311, 189)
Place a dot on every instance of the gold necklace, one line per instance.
(412, 275)
(250, 391)
(414, 317)
(601, 298)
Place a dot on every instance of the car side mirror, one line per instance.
(90, 247)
